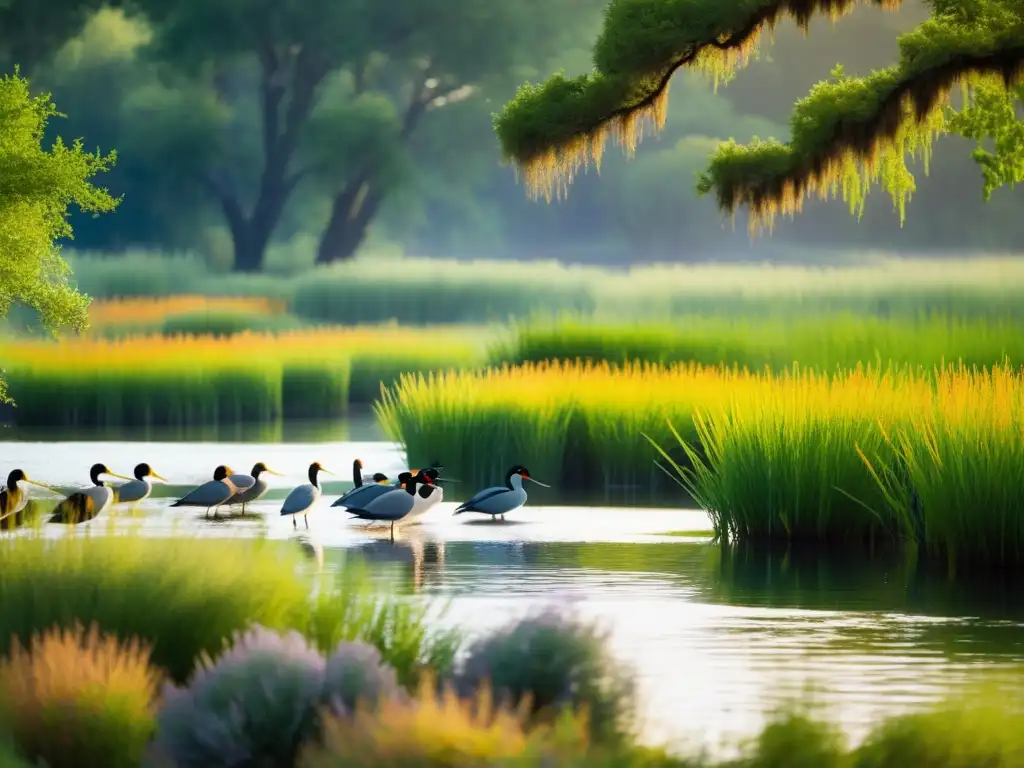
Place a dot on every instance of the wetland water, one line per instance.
(717, 636)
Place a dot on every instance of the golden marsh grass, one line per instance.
(201, 379)
(935, 457)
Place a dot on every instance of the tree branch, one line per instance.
(549, 131)
(873, 121)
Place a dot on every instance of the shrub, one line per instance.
(356, 673)
(184, 596)
(982, 731)
(255, 705)
(794, 740)
(11, 758)
(77, 698)
(550, 662)
(440, 731)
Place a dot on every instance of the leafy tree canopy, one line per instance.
(36, 188)
(846, 134)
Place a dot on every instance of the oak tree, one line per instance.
(845, 135)
(339, 88)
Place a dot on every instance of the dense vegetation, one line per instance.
(352, 676)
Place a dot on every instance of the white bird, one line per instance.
(301, 500)
(254, 492)
(86, 504)
(501, 499)
(134, 491)
(423, 505)
(212, 494)
(14, 499)
(397, 503)
(363, 492)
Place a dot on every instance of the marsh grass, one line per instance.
(182, 596)
(827, 343)
(382, 287)
(182, 380)
(179, 314)
(74, 697)
(933, 458)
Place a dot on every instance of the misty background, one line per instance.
(174, 88)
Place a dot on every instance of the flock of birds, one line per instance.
(380, 500)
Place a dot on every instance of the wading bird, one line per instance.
(13, 499)
(362, 493)
(302, 499)
(435, 498)
(397, 503)
(257, 490)
(501, 499)
(137, 490)
(84, 505)
(242, 482)
(212, 494)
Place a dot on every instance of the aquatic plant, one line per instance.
(75, 697)
(551, 662)
(182, 596)
(157, 380)
(255, 704)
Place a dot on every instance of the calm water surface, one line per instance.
(717, 636)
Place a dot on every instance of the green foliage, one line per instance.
(227, 324)
(992, 114)
(182, 596)
(74, 697)
(37, 186)
(844, 136)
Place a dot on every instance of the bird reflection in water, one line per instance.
(425, 556)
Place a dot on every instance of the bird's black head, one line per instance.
(432, 473)
(142, 471)
(15, 477)
(520, 470)
(221, 472)
(380, 477)
(96, 471)
(314, 470)
(404, 477)
(357, 464)
(258, 469)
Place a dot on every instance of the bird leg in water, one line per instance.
(294, 524)
(392, 530)
(306, 518)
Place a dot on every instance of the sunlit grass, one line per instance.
(934, 458)
(150, 313)
(146, 380)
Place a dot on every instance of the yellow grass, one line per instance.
(934, 456)
(179, 379)
(152, 310)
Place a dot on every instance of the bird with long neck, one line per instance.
(211, 494)
(88, 503)
(14, 498)
(257, 490)
(138, 489)
(500, 499)
(362, 492)
(393, 506)
(302, 499)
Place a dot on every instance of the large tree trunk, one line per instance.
(251, 230)
(357, 205)
(352, 214)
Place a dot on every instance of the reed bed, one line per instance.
(137, 315)
(429, 291)
(826, 343)
(181, 380)
(930, 457)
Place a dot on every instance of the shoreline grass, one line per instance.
(158, 380)
(932, 459)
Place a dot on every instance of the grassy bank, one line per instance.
(158, 380)
(382, 288)
(189, 652)
(191, 315)
(933, 458)
(825, 343)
